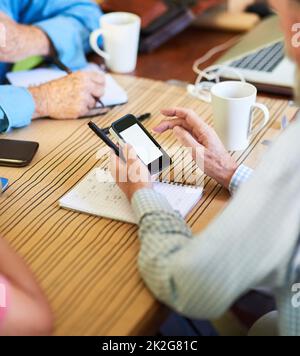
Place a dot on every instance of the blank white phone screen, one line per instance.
(144, 147)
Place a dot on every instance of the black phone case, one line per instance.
(17, 153)
(164, 162)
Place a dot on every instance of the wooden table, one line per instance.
(87, 265)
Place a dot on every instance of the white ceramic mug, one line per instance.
(121, 34)
(234, 104)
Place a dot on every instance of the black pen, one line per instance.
(55, 60)
(106, 140)
(140, 118)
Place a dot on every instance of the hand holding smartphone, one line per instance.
(129, 130)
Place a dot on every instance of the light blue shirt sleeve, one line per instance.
(16, 107)
(68, 23)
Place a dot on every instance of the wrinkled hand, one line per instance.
(20, 41)
(70, 97)
(131, 176)
(207, 149)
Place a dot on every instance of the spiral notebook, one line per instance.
(98, 195)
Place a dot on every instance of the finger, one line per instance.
(97, 90)
(187, 140)
(130, 154)
(188, 115)
(94, 112)
(114, 165)
(83, 110)
(91, 102)
(166, 125)
(116, 159)
(98, 78)
(117, 167)
(178, 112)
(137, 170)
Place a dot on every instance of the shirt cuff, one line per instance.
(16, 107)
(242, 174)
(68, 44)
(147, 201)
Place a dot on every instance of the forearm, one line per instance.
(36, 42)
(28, 41)
(202, 276)
(173, 263)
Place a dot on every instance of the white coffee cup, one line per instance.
(234, 104)
(121, 34)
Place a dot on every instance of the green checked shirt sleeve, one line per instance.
(249, 245)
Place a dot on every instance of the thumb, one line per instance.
(129, 153)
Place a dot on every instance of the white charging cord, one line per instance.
(212, 75)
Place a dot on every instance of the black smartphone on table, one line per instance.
(129, 130)
(17, 153)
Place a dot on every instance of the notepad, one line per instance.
(97, 194)
(114, 93)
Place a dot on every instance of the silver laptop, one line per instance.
(260, 57)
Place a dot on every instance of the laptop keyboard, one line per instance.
(265, 60)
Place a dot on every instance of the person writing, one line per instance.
(254, 242)
(48, 28)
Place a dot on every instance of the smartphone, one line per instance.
(129, 130)
(17, 153)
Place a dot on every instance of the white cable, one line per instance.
(212, 52)
(202, 89)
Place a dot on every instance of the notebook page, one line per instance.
(114, 94)
(98, 195)
(181, 198)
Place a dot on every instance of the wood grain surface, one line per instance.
(88, 265)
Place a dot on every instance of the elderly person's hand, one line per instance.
(208, 150)
(70, 97)
(19, 42)
(131, 176)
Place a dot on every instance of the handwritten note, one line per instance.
(98, 195)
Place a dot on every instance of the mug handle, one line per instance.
(266, 119)
(94, 43)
